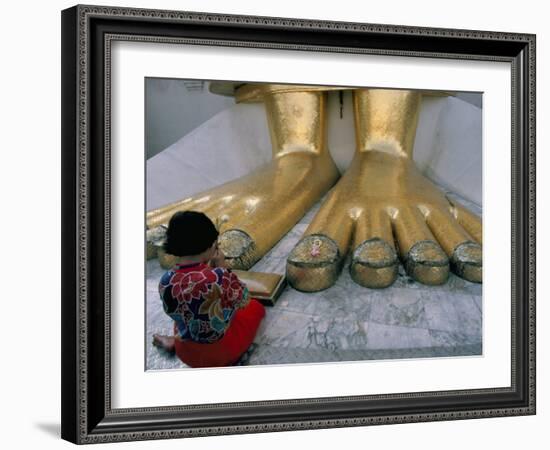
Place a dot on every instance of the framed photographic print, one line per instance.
(306, 224)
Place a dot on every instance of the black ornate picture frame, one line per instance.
(87, 414)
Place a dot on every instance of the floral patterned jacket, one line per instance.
(201, 300)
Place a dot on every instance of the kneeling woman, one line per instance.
(214, 319)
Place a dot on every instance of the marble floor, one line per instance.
(346, 322)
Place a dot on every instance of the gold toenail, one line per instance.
(238, 248)
(467, 263)
(427, 263)
(310, 273)
(374, 264)
(155, 238)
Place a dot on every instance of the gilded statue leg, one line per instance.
(383, 209)
(255, 211)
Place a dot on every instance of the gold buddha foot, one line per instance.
(383, 209)
(254, 212)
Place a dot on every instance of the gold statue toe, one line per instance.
(426, 262)
(155, 238)
(238, 248)
(314, 263)
(374, 264)
(467, 262)
(467, 220)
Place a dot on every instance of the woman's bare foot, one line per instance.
(166, 343)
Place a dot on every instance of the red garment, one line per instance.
(227, 350)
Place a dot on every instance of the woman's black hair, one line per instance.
(189, 233)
